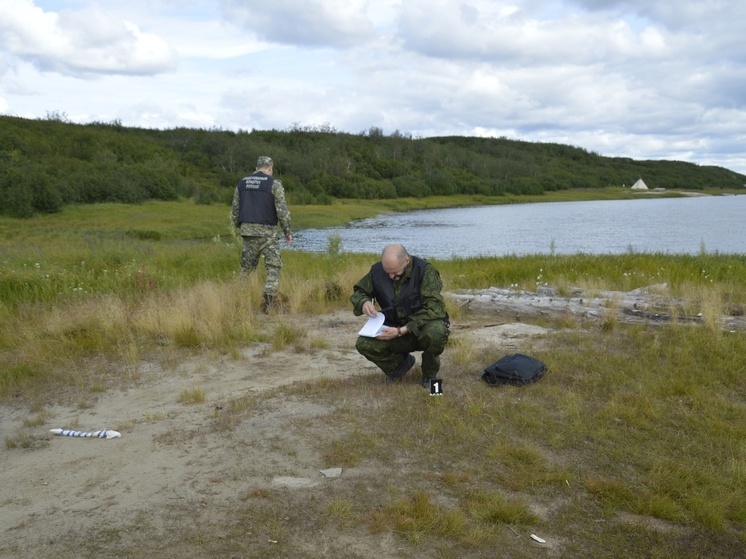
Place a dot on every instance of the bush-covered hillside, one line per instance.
(47, 164)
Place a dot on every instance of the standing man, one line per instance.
(258, 206)
(407, 290)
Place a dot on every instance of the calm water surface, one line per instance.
(668, 225)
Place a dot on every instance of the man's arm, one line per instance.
(433, 304)
(361, 293)
(235, 207)
(281, 206)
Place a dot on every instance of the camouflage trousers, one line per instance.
(387, 355)
(269, 247)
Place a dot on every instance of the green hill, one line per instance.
(47, 164)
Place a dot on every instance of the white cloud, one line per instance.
(687, 14)
(333, 23)
(80, 42)
(621, 77)
(516, 37)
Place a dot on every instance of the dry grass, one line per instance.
(193, 395)
(628, 440)
(604, 457)
(631, 446)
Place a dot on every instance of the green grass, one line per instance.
(102, 292)
(633, 445)
(631, 428)
(638, 454)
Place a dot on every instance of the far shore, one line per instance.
(682, 192)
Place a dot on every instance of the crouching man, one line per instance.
(407, 290)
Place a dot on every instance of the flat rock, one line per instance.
(331, 472)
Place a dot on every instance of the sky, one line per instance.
(621, 78)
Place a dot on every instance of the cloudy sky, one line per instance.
(632, 78)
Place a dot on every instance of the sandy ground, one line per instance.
(170, 455)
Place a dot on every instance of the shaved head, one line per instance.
(394, 259)
(395, 254)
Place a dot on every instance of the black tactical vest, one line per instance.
(256, 203)
(409, 291)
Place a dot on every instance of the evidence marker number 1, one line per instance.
(436, 387)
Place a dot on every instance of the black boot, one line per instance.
(407, 363)
(269, 301)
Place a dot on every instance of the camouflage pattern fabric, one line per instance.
(269, 247)
(260, 240)
(387, 355)
(427, 328)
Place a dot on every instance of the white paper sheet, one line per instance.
(373, 327)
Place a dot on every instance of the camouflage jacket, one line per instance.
(433, 304)
(260, 229)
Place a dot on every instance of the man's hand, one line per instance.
(388, 333)
(369, 309)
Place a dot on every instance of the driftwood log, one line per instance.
(644, 305)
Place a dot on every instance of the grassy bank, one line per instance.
(185, 220)
(117, 279)
(633, 445)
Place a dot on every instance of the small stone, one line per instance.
(332, 472)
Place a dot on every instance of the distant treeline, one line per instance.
(47, 164)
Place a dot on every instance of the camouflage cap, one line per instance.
(264, 161)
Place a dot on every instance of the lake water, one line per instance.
(666, 225)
